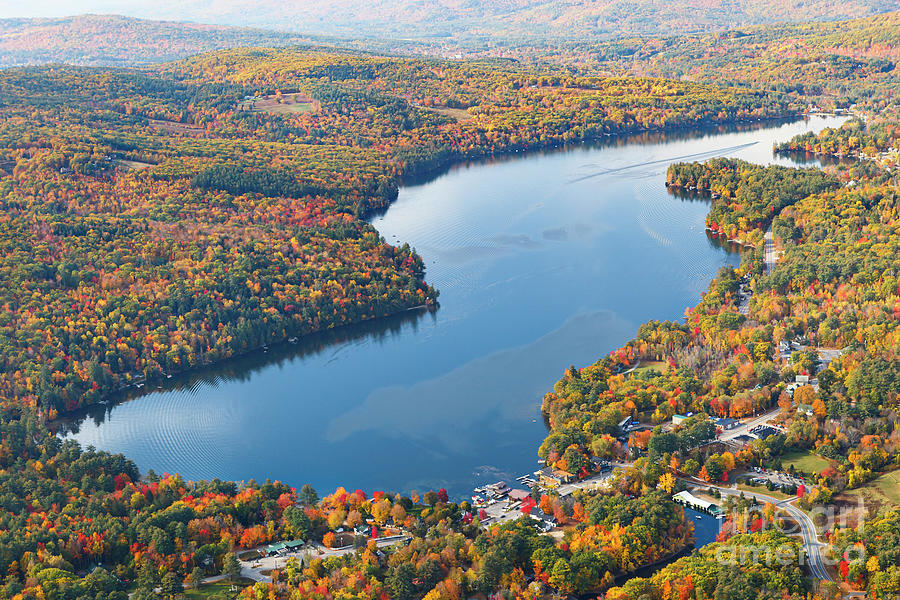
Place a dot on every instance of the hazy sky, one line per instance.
(58, 8)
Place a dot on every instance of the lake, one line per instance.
(543, 260)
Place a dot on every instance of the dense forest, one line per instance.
(824, 60)
(830, 64)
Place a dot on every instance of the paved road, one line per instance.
(771, 254)
(746, 427)
(811, 542)
(253, 569)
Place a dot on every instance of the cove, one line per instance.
(543, 260)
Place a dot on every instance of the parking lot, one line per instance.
(760, 476)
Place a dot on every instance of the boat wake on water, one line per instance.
(668, 160)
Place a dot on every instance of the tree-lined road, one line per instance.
(811, 542)
(771, 253)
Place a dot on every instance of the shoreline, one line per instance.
(430, 173)
(403, 180)
(288, 348)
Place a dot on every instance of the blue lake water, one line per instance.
(543, 260)
(706, 527)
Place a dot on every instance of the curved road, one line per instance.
(811, 542)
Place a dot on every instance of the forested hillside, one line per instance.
(476, 20)
(846, 61)
(110, 40)
(849, 61)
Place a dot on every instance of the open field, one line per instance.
(651, 365)
(220, 589)
(279, 105)
(882, 493)
(460, 114)
(134, 165)
(805, 461)
(173, 127)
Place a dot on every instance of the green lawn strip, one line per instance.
(219, 589)
(750, 490)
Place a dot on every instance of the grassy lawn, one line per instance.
(761, 489)
(883, 492)
(460, 114)
(804, 460)
(134, 165)
(220, 589)
(290, 103)
(281, 109)
(651, 365)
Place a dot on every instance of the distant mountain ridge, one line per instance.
(529, 19)
(110, 40)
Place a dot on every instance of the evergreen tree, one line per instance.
(308, 495)
(231, 568)
(171, 585)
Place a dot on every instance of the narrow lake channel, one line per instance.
(543, 260)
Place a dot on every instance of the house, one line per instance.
(496, 490)
(546, 523)
(761, 432)
(283, 547)
(554, 477)
(805, 409)
(626, 425)
(678, 419)
(802, 379)
(601, 465)
(518, 495)
(727, 424)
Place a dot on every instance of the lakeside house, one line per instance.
(627, 424)
(518, 495)
(688, 499)
(545, 522)
(496, 490)
(554, 477)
